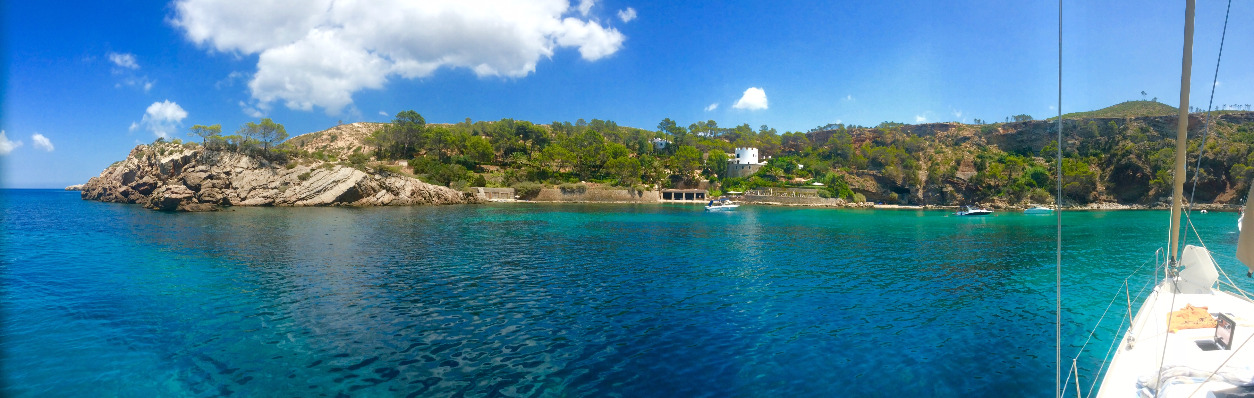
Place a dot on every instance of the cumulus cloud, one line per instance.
(162, 118)
(627, 15)
(134, 126)
(753, 99)
(318, 53)
(920, 118)
(41, 142)
(7, 146)
(585, 6)
(123, 60)
(711, 107)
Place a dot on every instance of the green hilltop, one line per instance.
(1126, 110)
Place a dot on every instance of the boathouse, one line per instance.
(698, 195)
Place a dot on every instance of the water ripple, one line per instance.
(543, 300)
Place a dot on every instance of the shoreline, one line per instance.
(1224, 208)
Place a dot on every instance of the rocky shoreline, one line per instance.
(176, 177)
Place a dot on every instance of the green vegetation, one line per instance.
(1123, 160)
(1126, 110)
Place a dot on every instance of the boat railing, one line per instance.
(1125, 321)
(1162, 269)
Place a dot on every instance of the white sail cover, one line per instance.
(1245, 243)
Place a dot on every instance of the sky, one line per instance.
(85, 82)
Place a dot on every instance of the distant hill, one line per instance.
(1126, 110)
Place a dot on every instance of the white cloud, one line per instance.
(920, 118)
(123, 60)
(7, 146)
(849, 97)
(753, 99)
(137, 82)
(585, 6)
(41, 142)
(318, 53)
(162, 118)
(957, 114)
(627, 15)
(384, 114)
(134, 126)
(126, 67)
(230, 79)
(253, 111)
(711, 107)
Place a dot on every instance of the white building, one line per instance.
(659, 144)
(746, 156)
(744, 164)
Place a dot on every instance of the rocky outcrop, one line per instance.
(173, 177)
(75, 187)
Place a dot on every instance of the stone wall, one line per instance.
(793, 200)
(596, 195)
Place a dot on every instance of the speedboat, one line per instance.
(1038, 210)
(721, 205)
(974, 211)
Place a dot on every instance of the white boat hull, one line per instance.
(1139, 365)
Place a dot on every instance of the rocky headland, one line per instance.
(177, 177)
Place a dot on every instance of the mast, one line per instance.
(1182, 129)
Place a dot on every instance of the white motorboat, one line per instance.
(1038, 210)
(721, 205)
(974, 211)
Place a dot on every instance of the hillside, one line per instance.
(1128, 109)
(337, 142)
(1107, 159)
(1121, 160)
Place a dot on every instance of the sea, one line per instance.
(549, 300)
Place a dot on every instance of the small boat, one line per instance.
(974, 211)
(1038, 210)
(721, 205)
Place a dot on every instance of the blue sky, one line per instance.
(94, 79)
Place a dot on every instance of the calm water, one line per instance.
(555, 300)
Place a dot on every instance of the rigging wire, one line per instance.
(1058, 233)
(1201, 150)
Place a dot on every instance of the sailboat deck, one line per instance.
(1185, 365)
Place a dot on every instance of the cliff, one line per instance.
(1109, 160)
(172, 176)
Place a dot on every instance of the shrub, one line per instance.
(574, 188)
(303, 176)
(527, 190)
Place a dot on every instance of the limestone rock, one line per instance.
(173, 177)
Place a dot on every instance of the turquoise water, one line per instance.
(556, 300)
